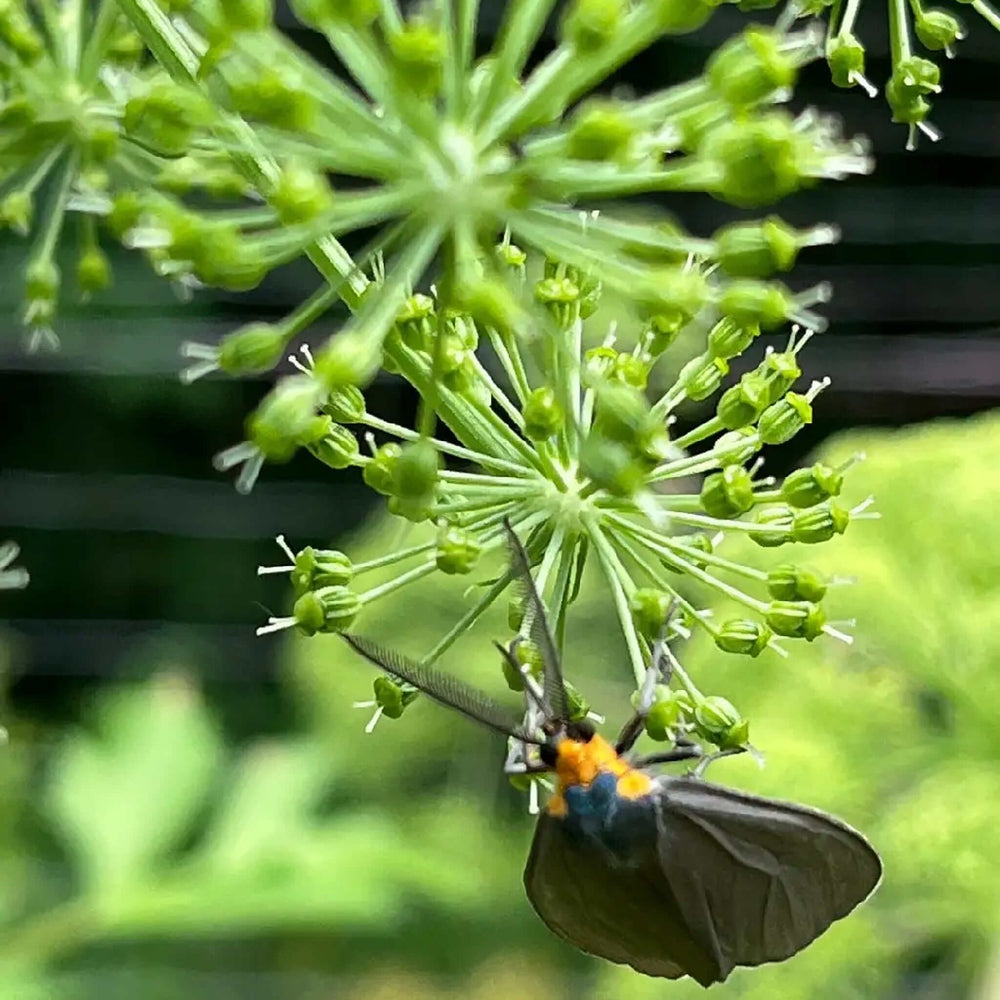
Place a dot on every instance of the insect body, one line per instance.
(671, 875)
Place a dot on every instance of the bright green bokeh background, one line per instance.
(144, 857)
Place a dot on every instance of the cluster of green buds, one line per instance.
(568, 448)
(676, 714)
(914, 78)
(87, 122)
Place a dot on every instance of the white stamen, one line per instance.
(275, 625)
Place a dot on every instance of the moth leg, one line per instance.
(699, 769)
(688, 751)
(654, 675)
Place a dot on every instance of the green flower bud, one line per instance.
(750, 67)
(599, 365)
(41, 280)
(512, 256)
(622, 413)
(578, 706)
(393, 696)
(611, 466)
(703, 375)
(491, 303)
(743, 403)
(764, 304)
(739, 635)
(416, 321)
(338, 448)
(660, 332)
(379, 473)
(419, 52)
(649, 610)
(415, 471)
(916, 76)
(601, 130)
(457, 550)
(328, 609)
(736, 446)
(126, 210)
(728, 339)
(254, 348)
(820, 524)
(275, 96)
(16, 211)
(808, 487)
(792, 583)
(666, 712)
(781, 421)
(543, 416)
(300, 195)
(165, 116)
(590, 24)
(678, 17)
(319, 568)
(674, 292)
(350, 358)
(773, 516)
(760, 160)
(346, 405)
(756, 249)
(796, 619)
(938, 30)
(846, 58)
(781, 370)
(285, 418)
(728, 493)
(93, 270)
(321, 13)
(719, 722)
(247, 15)
(631, 370)
(560, 297)
(415, 509)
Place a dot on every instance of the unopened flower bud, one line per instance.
(808, 487)
(543, 416)
(649, 610)
(820, 524)
(254, 348)
(728, 339)
(793, 583)
(346, 405)
(319, 568)
(300, 194)
(664, 714)
(796, 619)
(457, 550)
(328, 609)
(736, 446)
(781, 421)
(938, 30)
(750, 67)
(379, 473)
(728, 493)
(740, 635)
(779, 518)
(285, 418)
(702, 376)
(589, 24)
(419, 52)
(415, 470)
(719, 722)
(743, 403)
(392, 696)
(749, 302)
(338, 448)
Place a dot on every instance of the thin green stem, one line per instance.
(619, 579)
(397, 582)
(392, 558)
(699, 433)
(988, 12)
(55, 211)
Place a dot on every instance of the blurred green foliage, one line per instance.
(143, 857)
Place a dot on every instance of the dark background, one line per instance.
(105, 458)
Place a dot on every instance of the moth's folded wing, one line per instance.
(623, 912)
(757, 879)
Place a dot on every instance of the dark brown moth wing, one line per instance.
(620, 911)
(540, 633)
(443, 687)
(756, 879)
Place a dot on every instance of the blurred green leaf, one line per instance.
(124, 797)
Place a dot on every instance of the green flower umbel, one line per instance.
(572, 453)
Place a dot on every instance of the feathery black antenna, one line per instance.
(539, 631)
(443, 687)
